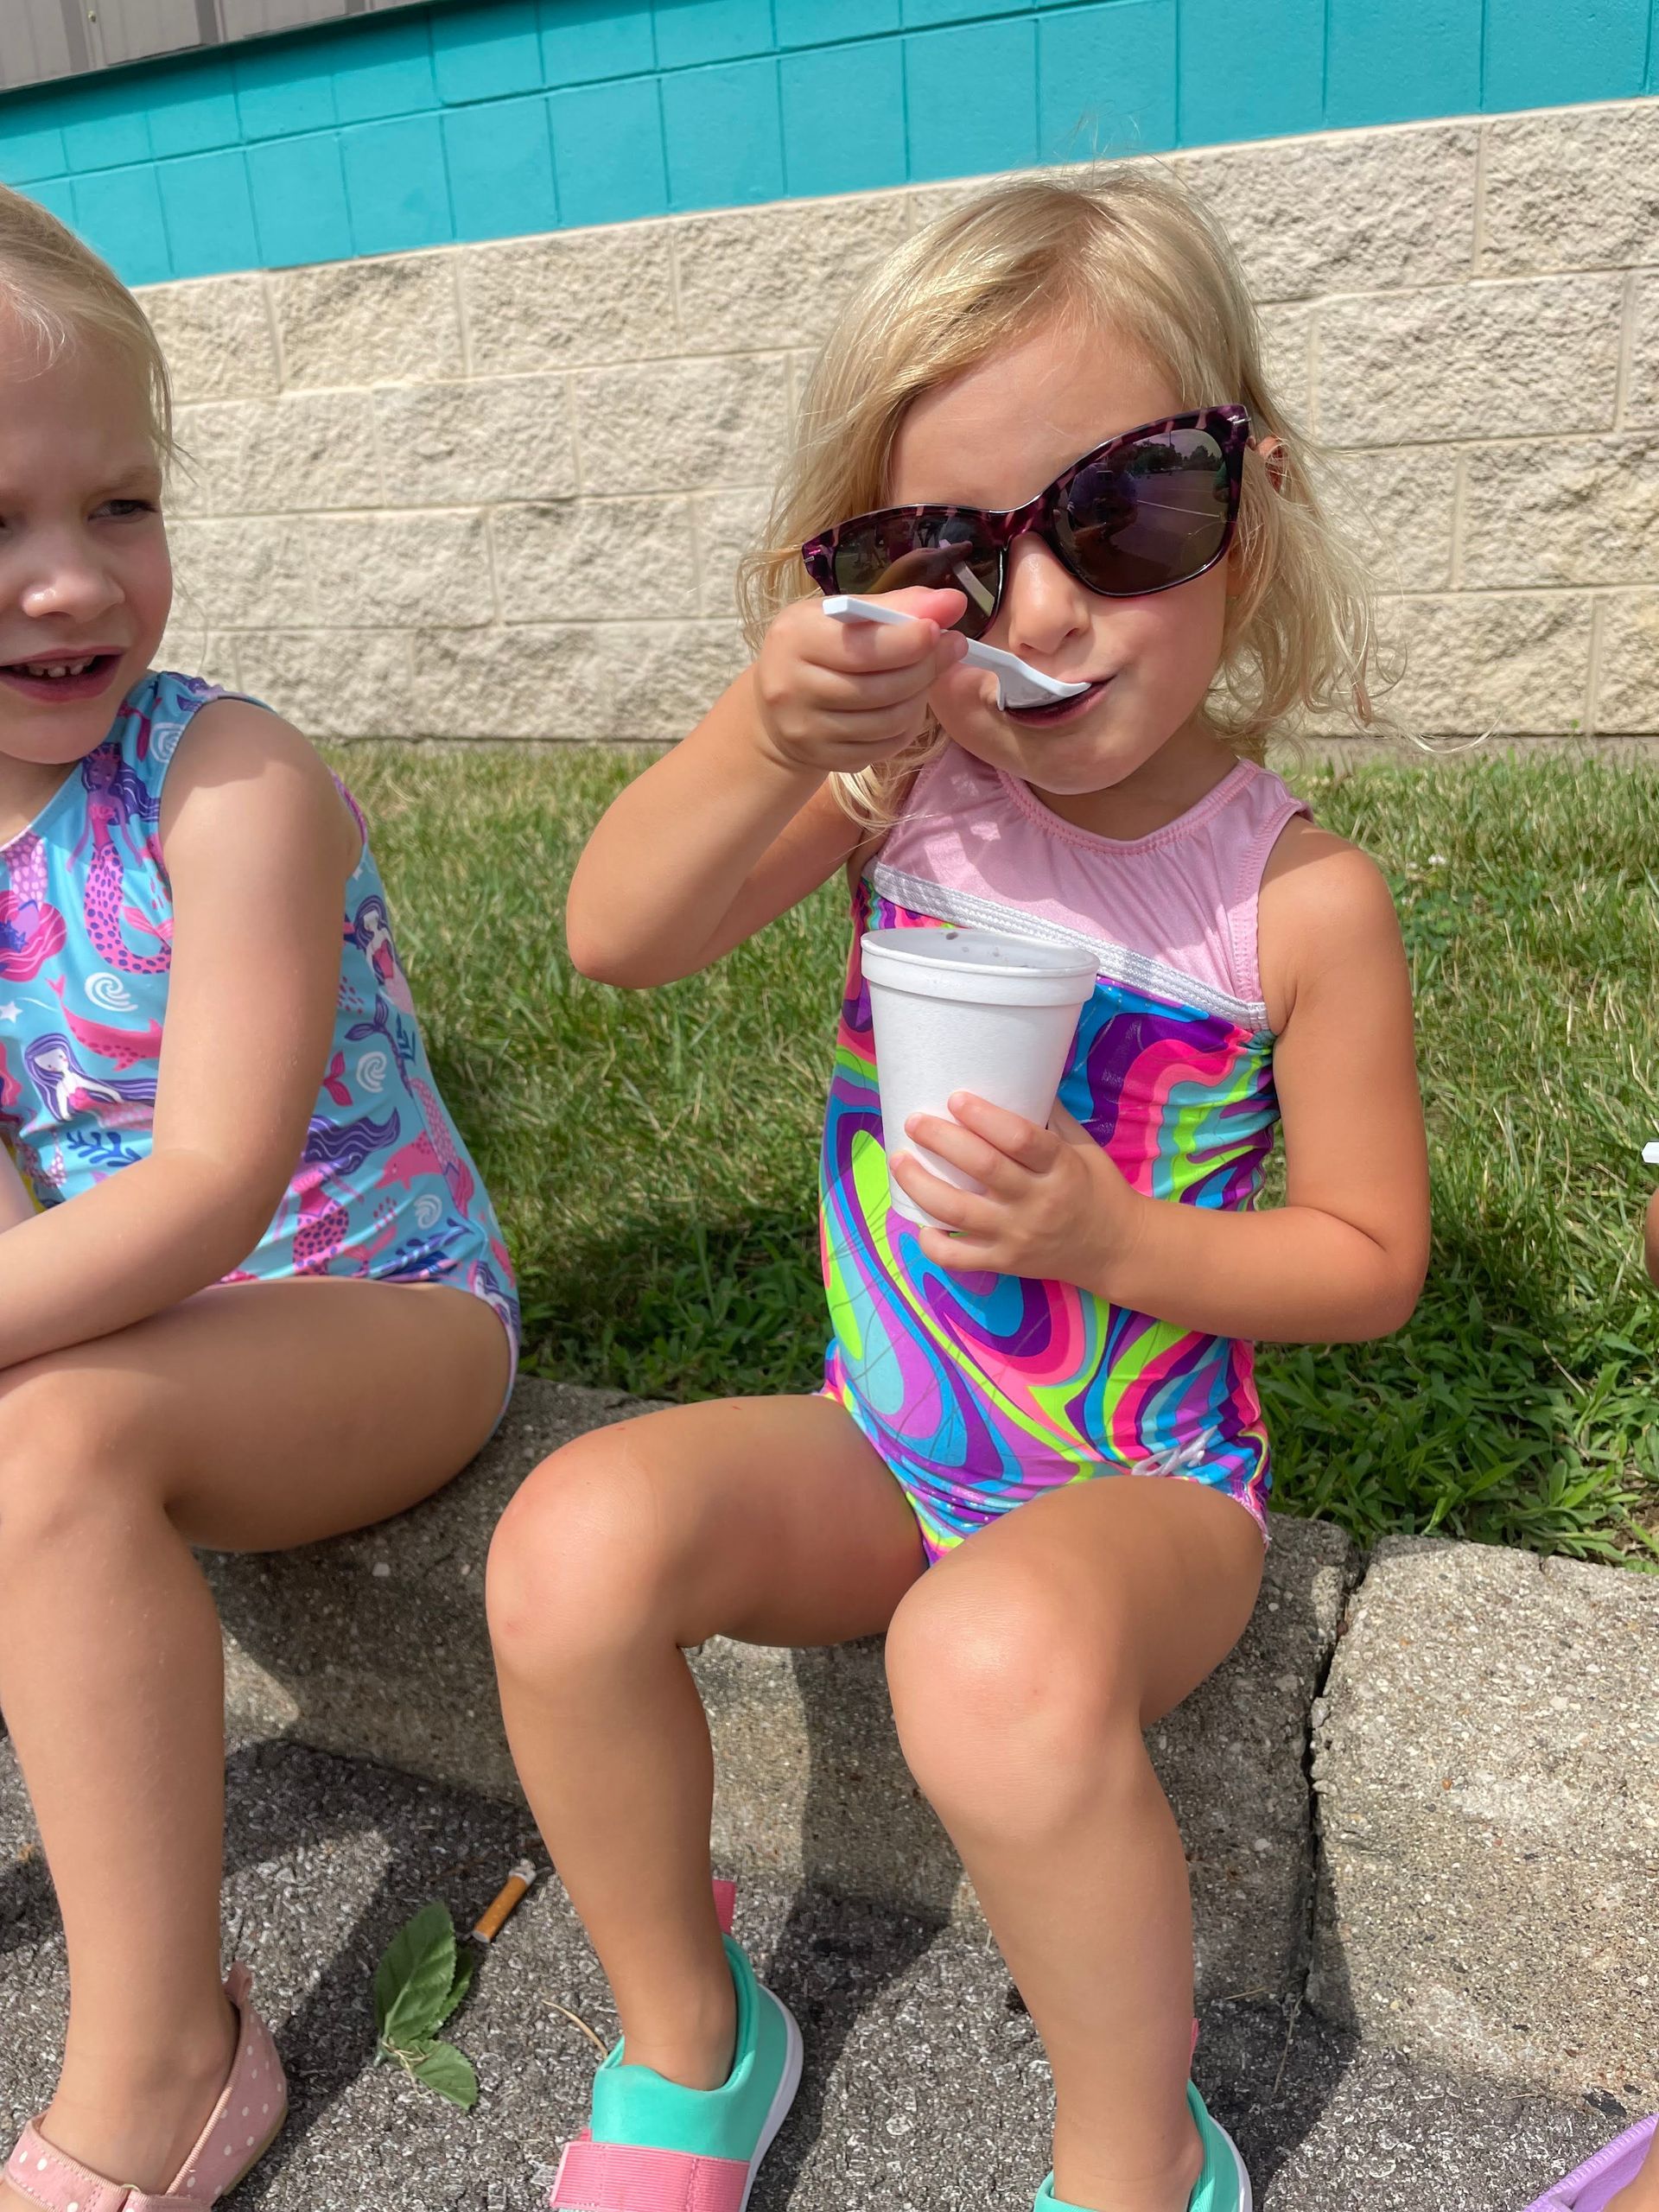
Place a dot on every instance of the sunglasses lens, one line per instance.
(1150, 514)
(942, 551)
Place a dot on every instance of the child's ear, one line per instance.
(1270, 451)
(1275, 459)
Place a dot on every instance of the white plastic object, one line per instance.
(1650, 1153)
(957, 1009)
(1017, 683)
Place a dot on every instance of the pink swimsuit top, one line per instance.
(980, 1391)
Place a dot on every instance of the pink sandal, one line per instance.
(242, 2127)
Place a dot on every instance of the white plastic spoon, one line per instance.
(1017, 683)
(1650, 1153)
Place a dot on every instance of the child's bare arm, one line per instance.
(737, 824)
(1345, 1257)
(258, 847)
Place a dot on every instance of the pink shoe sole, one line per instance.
(1590, 2187)
(240, 2129)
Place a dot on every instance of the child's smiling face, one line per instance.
(994, 439)
(85, 582)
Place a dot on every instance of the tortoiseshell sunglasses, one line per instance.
(1154, 507)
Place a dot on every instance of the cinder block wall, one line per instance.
(497, 491)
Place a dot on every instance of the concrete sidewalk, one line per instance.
(925, 2089)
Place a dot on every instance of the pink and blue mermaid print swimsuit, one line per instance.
(385, 1189)
(980, 1391)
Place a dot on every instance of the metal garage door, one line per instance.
(41, 39)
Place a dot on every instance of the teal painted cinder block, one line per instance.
(396, 187)
(104, 127)
(193, 108)
(499, 157)
(118, 212)
(57, 195)
(584, 40)
(690, 32)
(843, 117)
(385, 69)
(298, 186)
(971, 97)
(1547, 53)
(1250, 69)
(823, 22)
(1106, 80)
(487, 53)
(209, 211)
(1414, 58)
(922, 12)
(31, 144)
(279, 94)
(607, 151)
(723, 135)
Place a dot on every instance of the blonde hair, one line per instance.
(1126, 246)
(58, 292)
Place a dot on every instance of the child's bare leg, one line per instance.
(252, 1418)
(1023, 1670)
(769, 1519)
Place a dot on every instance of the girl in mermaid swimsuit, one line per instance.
(259, 1296)
(1045, 422)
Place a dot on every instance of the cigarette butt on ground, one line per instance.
(494, 1916)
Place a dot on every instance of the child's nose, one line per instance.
(68, 579)
(1044, 603)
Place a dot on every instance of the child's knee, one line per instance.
(579, 1558)
(1012, 1711)
(73, 1461)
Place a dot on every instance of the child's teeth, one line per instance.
(55, 668)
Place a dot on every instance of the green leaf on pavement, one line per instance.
(416, 1979)
(463, 1981)
(443, 2068)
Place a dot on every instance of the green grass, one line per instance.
(654, 1155)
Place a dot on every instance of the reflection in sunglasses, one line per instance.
(977, 594)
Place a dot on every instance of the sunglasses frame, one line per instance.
(1230, 425)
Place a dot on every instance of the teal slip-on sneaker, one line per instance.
(687, 2149)
(1224, 2187)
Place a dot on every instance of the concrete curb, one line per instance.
(1487, 1767)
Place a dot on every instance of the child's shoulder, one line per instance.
(241, 754)
(1325, 907)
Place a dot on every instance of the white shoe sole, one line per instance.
(1246, 2202)
(786, 2097)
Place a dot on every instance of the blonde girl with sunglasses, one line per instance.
(1038, 1461)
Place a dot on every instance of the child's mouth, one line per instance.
(71, 675)
(1053, 716)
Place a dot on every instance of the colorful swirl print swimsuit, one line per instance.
(980, 1391)
(383, 1190)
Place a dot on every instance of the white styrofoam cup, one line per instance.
(965, 1010)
